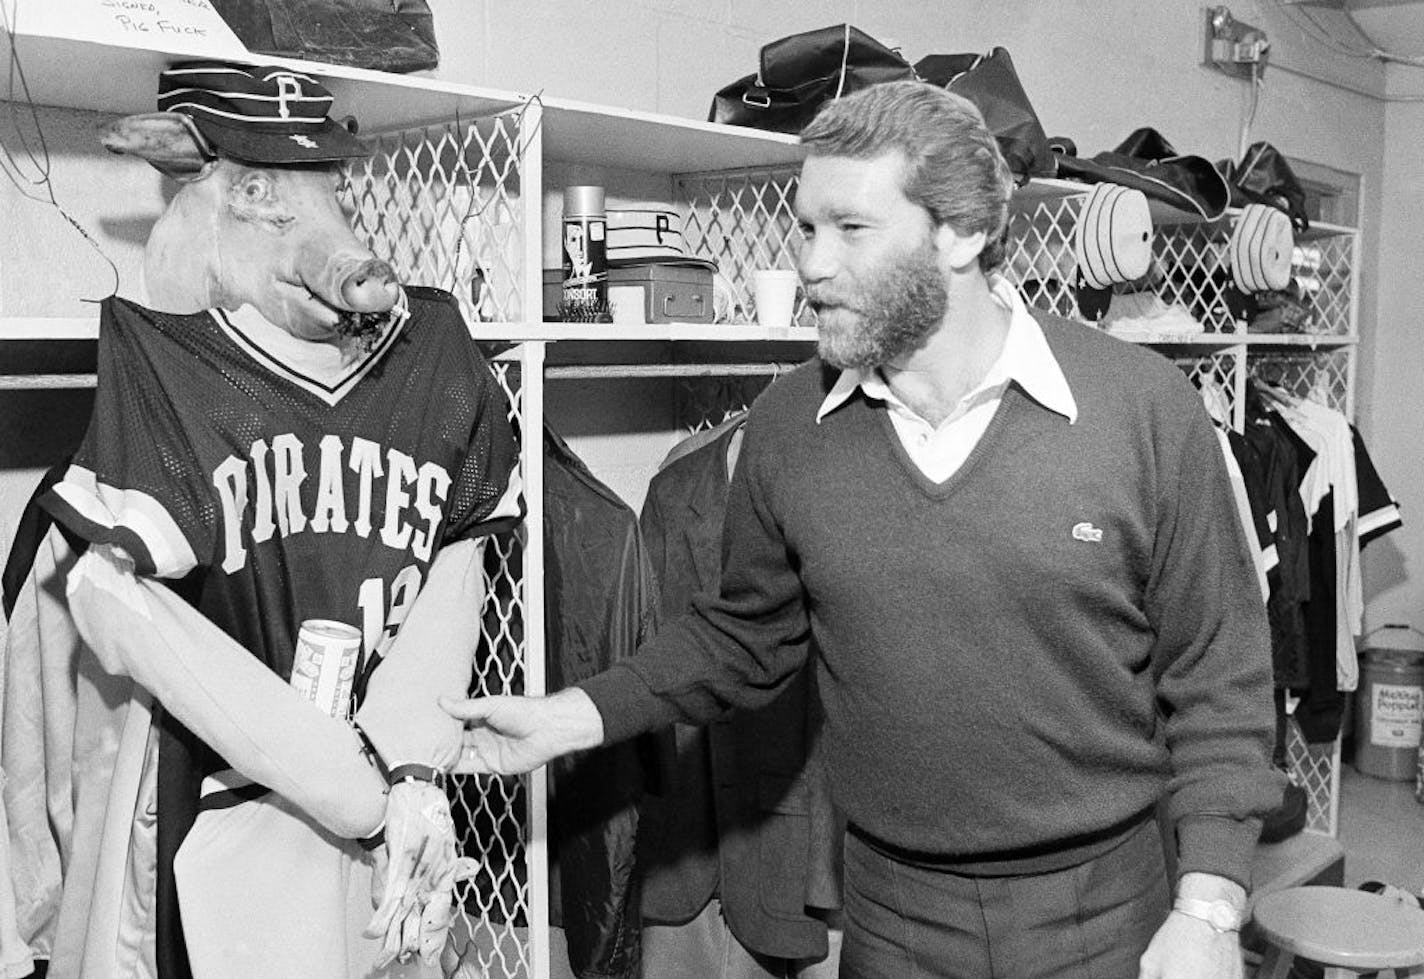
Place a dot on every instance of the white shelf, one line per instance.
(120, 79)
(517, 332)
(47, 382)
(49, 328)
(84, 328)
(1320, 229)
(1050, 189)
(385, 102)
(1311, 340)
(625, 138)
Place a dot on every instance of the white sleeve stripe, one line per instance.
(117, 509)
(77, 511)
(510, 505)
(1385, 516)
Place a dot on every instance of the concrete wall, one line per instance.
(1393, 418)
(1094, 70)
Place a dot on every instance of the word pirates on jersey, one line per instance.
(365, 470)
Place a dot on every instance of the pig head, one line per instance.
(271, 236)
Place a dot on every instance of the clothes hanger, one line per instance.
(1218, 405)
(1272, 392)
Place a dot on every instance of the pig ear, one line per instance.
(168, 140)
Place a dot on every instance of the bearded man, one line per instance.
(1010, 541)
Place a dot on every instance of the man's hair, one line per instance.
(953, 165)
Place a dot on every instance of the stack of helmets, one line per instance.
(1112, 243)
(642, 233)
(1260, 249)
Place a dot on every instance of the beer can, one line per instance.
(325, 662)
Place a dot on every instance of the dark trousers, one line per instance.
(1092, 921)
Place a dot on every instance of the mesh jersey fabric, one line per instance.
(277, 497)
(294, 499)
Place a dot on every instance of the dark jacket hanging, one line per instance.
(598, 594)
(748, 817)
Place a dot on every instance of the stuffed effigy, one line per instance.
(281, 434)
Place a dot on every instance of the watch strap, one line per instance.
(416, 773)
(1221, 915)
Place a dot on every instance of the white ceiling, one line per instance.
(1396, 26)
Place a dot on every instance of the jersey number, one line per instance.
(381, 620)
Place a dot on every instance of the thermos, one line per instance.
(585, 248)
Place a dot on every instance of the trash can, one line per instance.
(1389, 713)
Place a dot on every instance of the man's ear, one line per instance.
(959, 250)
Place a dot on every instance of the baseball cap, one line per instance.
(258, 114)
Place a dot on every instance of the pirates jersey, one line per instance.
(287, 494)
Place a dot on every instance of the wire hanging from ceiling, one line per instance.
(39, 162)
(1303, 17)
(1322, 34)
(1415, 61)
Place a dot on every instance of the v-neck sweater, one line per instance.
(1030, 653)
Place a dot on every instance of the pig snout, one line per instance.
(370, 287)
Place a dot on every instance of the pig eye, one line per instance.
(255, 187)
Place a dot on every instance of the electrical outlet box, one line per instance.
(1234, 47)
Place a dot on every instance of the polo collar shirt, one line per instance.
(939, 451)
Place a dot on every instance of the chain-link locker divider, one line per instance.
(1322, 376)
(1039, 258)
(1188, 260)
(1316, 769)
(1323, 267)
(743, 220)
(492, 813)
(441, 203)
(1216, 375)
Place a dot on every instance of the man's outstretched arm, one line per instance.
(514, 735)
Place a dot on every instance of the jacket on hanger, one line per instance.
(598, 604)
(749, 817)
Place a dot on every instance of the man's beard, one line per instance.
(894, 312)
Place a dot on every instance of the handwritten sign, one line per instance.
(181, 27)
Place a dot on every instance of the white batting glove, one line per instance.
(420, 858)
(439, 910)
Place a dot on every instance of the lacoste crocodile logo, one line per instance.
(1087, 532)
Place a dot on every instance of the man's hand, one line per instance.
(514, 735)
(1190, 948)
(1187, 948)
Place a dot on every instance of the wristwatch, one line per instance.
(1221, 915)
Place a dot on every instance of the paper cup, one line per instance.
(774, 292)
